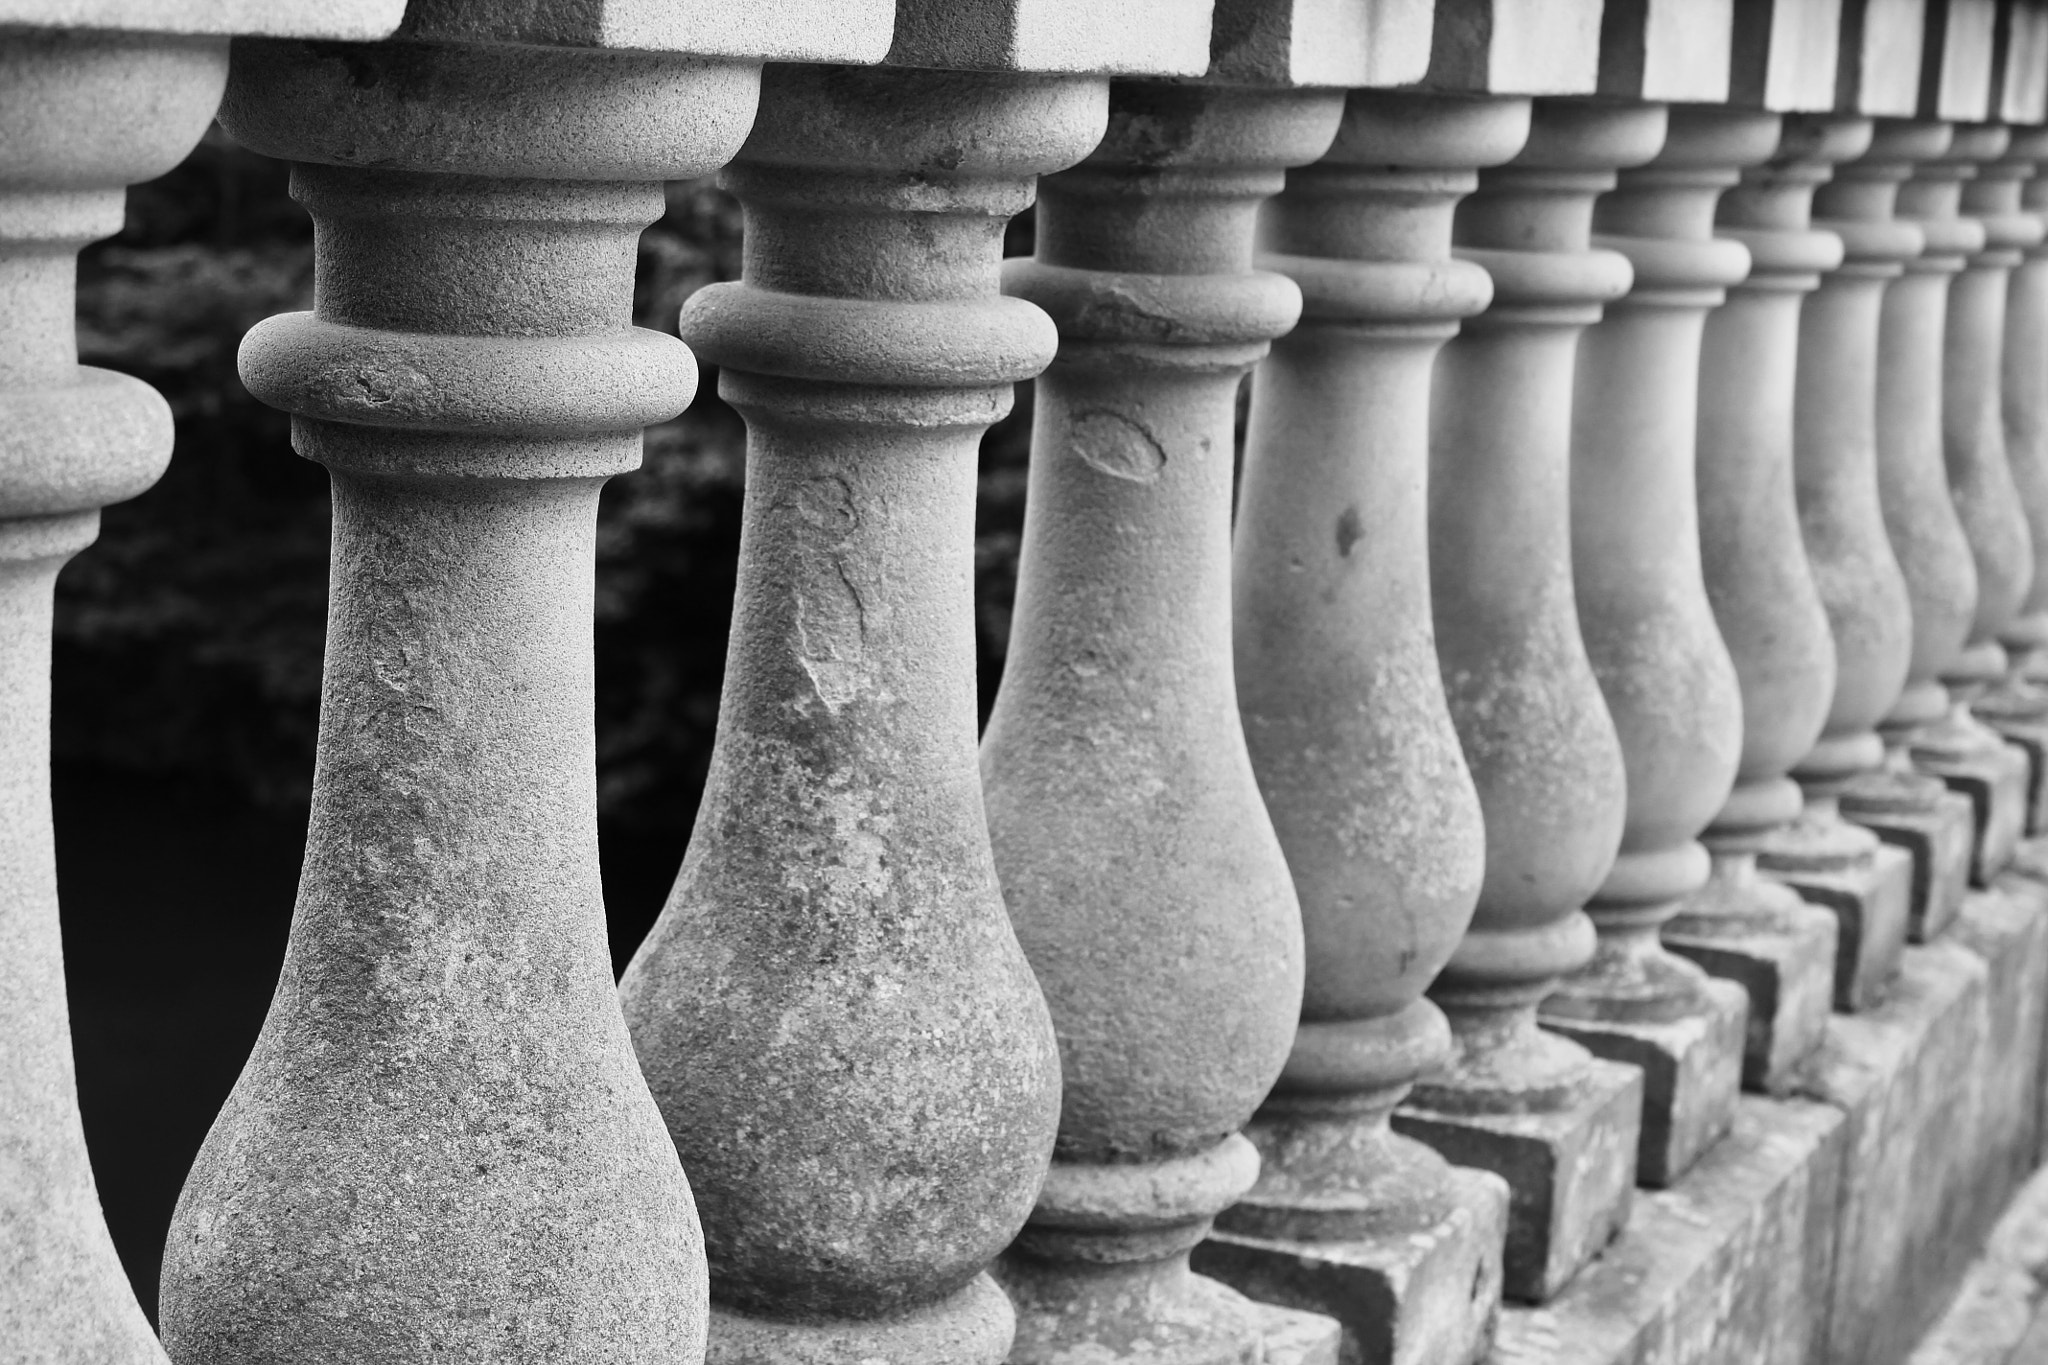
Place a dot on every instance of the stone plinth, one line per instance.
(1730, 1266)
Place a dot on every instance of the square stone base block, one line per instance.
(1571, 1173)
(1730, 1266)
(1941, 836)
(1873, 907)
(1692, 1073)
(1995, 780)
(2030, 737)
(1290, 1336)
(1790, 977)
(1427, 1298)
(1906, 1076)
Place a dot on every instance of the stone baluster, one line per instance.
(441, 1143)
(1649, 628)
(84, 112)
(1748, 928)
(1983, 474)
(1350, 738)
(833, 1009)
(1537, 1109)
(1930, 723)
(1917, 254)
(1137, 859)
(2024, 368)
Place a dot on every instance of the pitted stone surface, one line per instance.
(846, 1041)
(1729, 1267)
(1137, 860)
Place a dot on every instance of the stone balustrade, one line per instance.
(1508, 845)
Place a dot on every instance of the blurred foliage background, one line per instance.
(189, 640)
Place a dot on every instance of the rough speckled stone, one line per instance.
(1430, 1296)
(1729, 1267)
(1692, 1070)
(1905, 1074)
(833, 1010)
(1741, 926)
(1992, 774)
(1649, 627)
(1779, 949)
(1515, 1098)
(1137, 860)
(1347, 726)
(1865, 883)
(1935, 826)
(1571, 1172)
(81, 117)
(2000, 1313)
(441, 1143)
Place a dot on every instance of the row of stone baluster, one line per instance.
(1691, 493)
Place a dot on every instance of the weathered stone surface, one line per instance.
(772, 30)
(1138, 38)
(1344, 712)
(1866, 884)
(441, 1142)
(1880, 57)
(1752, 929)
(81, 117)
(1570, 1169)
(1935, 826)
(1138, 862)
(1905, 1074)
(1649, 627)
(1784, 55)
(2007, 927)
(2000, 1312)
(1430, 1296)
(1977, 763)
(1528, 710)
(1289, 1336)
(1666, 50)
(846, 1040)
(1692, 1070)
(1729, 1267)
(1779, 949)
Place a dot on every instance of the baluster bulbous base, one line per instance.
(833, 1010)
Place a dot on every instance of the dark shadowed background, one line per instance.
(188, 657)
